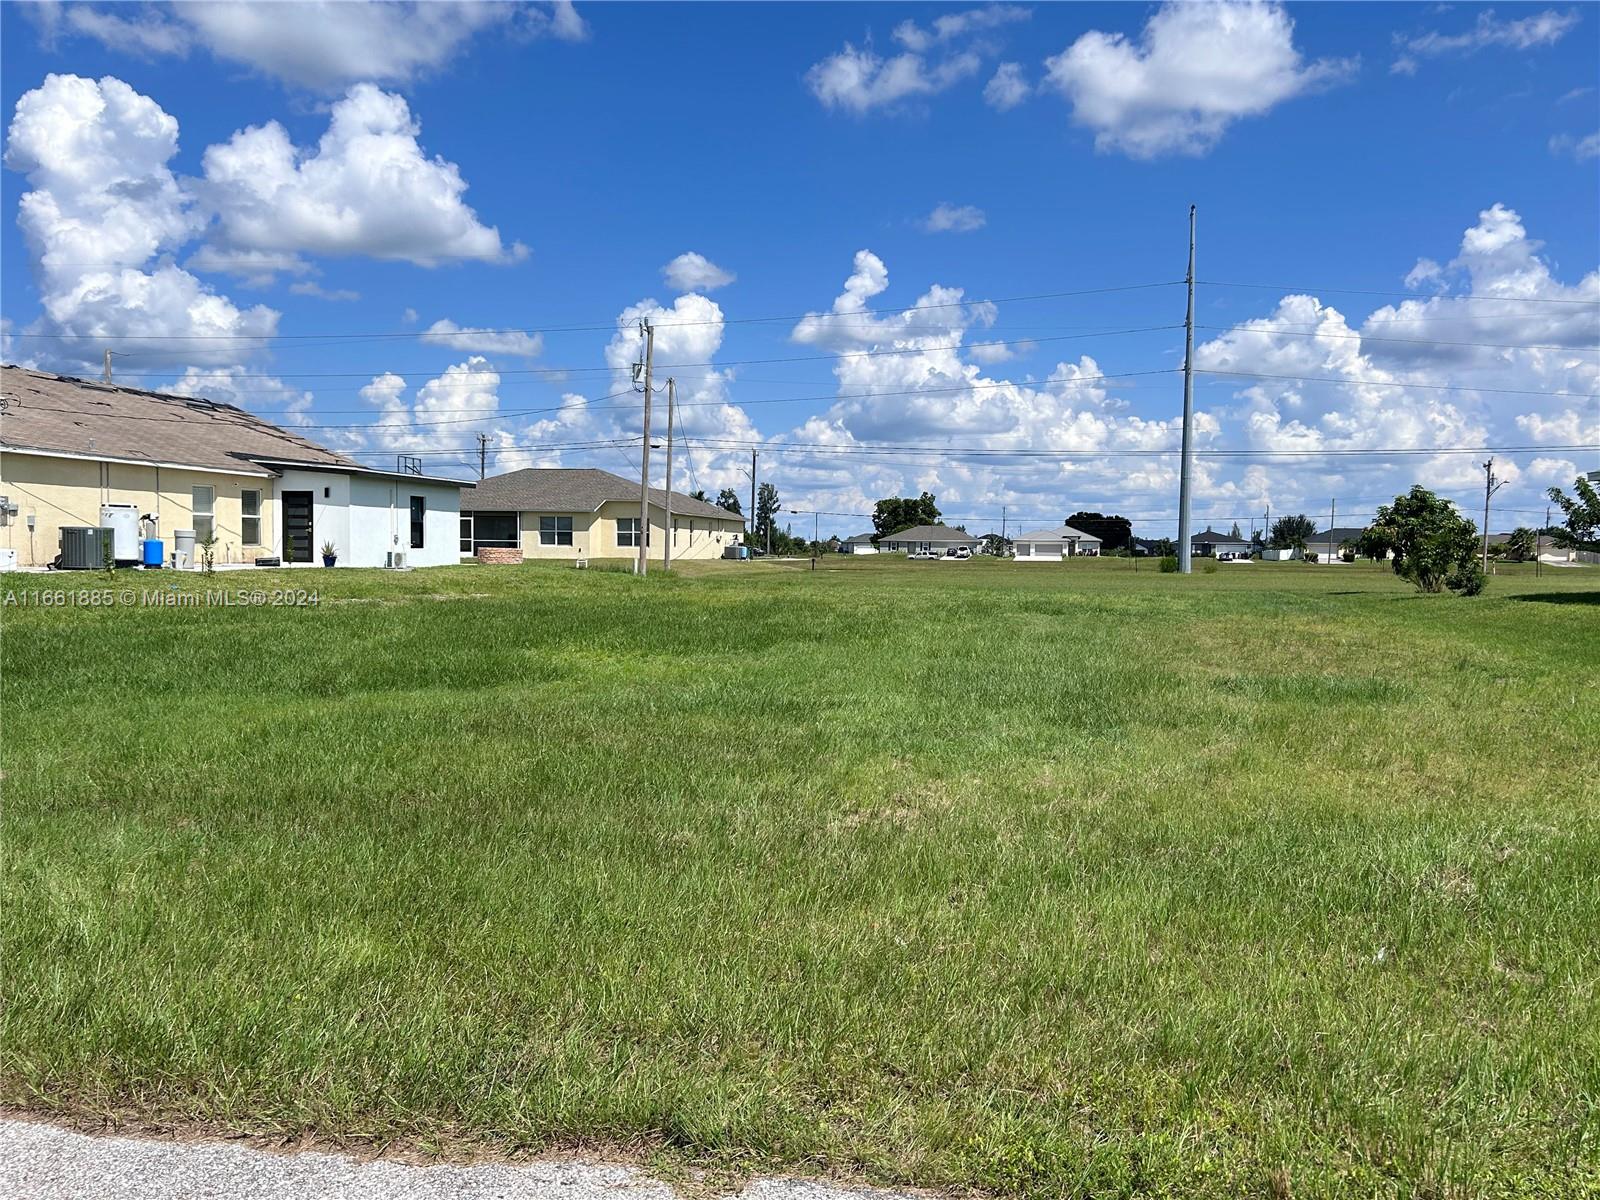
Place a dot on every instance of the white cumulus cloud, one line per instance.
(366, 189)
(1196, 69)
(1007, 88)
(954, 218)
(692, 272)
(520, 343)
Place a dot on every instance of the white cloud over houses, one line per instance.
(694, 272)
(1194, 71)
(1488, 30)
(102, 216)
(954, 218)
(324, 45)
(517, 342)
(366, 189)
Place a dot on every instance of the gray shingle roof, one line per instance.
(1210, 537)
(929, 533)
(1061, 533)
(859, 539)
(574, 490)
(78, 416)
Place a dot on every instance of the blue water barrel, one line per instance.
(153, 552)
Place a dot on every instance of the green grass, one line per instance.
(1072, 881)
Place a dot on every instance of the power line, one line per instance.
(604, 327)
(1361, 337)
(1438, 387)
(1283, 287)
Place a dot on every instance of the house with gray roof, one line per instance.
(584, 512)
(1053, 545)
(1208, 543)
(937, 538)
(860, 544)
(70, 448)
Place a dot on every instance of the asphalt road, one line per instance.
(41, 1162)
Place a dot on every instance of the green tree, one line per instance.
(1434, 546)
(729, 499)
(895, 513)
(1235, 534)
(1523, 543)
(766, 514)
(1373, 543)
(700, 495)
(1292, 533)
(1582, 511)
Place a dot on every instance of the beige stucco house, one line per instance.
(559, 512)
(69, 446)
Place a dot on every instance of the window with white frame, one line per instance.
(555, 531)
(627, 531)
(202, 502)
(250, 517)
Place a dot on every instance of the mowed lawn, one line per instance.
(1061, 881)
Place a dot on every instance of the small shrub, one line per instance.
(1211, 566)
(1467, 580)
(1169, 564)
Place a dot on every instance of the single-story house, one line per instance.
(583, 512)
(1325, 545)
(938, 538)
(860, 544)
(1208, 543)
(68, 446)
(1052, 545)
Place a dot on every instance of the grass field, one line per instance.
(1058, 881)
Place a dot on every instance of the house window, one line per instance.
(555, 531)
(250, 518)
(627, 531)
(419, 510)
(201, 501)
(466, 533)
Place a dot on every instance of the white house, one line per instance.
(860, 544)
(938, 538)
(68, 446)
(1053, 545)
(1224, 547)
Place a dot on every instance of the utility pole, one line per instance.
(1333, 507)
(646, 331)
(1490, 487)
(108, 367)
(1538, 541)
(752, 495)
(1185, 563)
(672, 404)
(816, 534)
(483, 453)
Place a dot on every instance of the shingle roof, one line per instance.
(929, 533)
(573, 490)
(1332, 537)
(1061, 533)
(860, 538)
(78, 416)
(1211, 537)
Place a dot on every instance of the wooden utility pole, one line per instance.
(1327, 550)
(1538, 541)
(1185, 563)
(646, 331)
(1490, 487)
(672, 404)
(752, 498)
(483, 453)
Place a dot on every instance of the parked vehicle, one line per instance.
(923, 556)
(958, 552)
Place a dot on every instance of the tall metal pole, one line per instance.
(672, 404)
(644, 453)
(1333, 507)
(483, 452)
(1185, 563)
(752, 502)
(108, 366)
(1490, 487)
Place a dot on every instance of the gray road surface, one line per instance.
(41, 1162)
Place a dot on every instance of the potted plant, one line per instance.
(330, 554)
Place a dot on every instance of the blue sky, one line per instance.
(312, 189)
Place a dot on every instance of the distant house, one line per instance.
(937, 538)
(184, 463)
(1208, 543)
(1325, 545)
(558, 512)
(860, 544)
(1052, 545)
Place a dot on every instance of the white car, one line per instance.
(923, 555)
(958, 552)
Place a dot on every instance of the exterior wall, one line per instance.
(357, 514)
(594, 535)
(858, 548)
(1039, 552)
(69, 491)
(894, 546)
